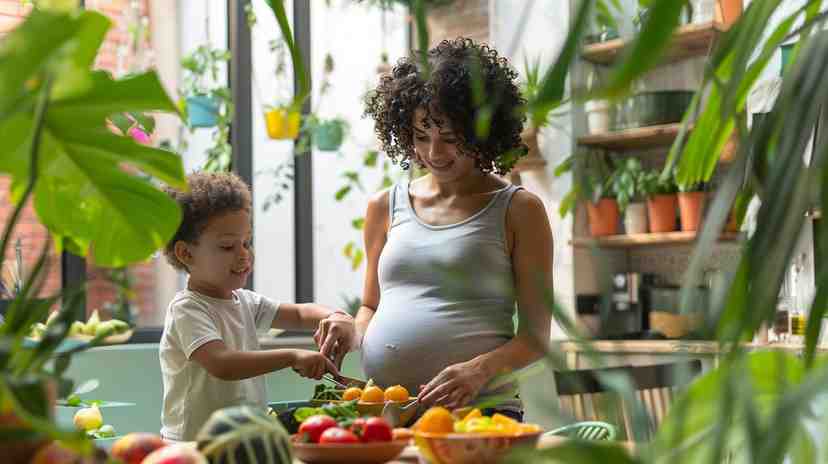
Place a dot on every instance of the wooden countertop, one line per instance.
(667, 346)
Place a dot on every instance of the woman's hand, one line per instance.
(455, 386)
(335, 336)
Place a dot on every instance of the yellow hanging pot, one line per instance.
(282, 123)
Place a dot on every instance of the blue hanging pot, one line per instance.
(328, 135)
(202, 111)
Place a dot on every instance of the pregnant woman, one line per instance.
(453, 254)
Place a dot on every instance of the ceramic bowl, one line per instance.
(357, 453)
(468, 448)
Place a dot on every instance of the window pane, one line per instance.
(355, 35)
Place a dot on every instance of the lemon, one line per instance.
(88, 418)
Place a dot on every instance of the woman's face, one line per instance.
(436, 150)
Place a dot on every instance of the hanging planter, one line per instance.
(282, 123)
(202, 111)
(328, 135)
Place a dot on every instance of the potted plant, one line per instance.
(282, 122)
(592, 176)
(32, 371)
(203, 98)
(529, 89)
(628, 187)
(661, 201)
(605, 26)
(691, 200)
(598, 110)
(329, 134)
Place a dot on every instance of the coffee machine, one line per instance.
(624, 314)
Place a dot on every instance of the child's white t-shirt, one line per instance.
(191, 394)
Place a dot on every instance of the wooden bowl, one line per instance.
(469, 448)
(357, 453)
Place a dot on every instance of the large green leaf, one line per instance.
(88, 192)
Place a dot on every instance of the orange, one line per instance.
(436, 420)
(352, 393)
(372, 395)
(396, 393)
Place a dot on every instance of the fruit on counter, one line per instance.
(111, 327)
(92, 323)
(55, 453)
(436, 420)
(338, 435)
(353, 393)
(106, 431)
(244, 434)
(134, 447)
(476, 422)
(88, 418)
(58, 453)
(376, 429)
(372, 394)
(402, 433)
(93, 327)
(313, 427)
(77, 328)
(175, 454)
(396, 393)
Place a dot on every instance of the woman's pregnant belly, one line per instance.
(412, 344)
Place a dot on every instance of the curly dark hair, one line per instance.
(210, 195)
(452, 90)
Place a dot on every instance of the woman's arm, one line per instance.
(531, 250)
(375, 233)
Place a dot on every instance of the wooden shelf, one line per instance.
(688, 41)
(638, 240)
(633, 139)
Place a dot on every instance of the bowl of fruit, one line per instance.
(323, 439)
(474, 439)
(370, 400)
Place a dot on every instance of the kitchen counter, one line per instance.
(668, 346)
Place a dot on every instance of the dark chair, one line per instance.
(584, 397)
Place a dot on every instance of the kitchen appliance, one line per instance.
(624, 314)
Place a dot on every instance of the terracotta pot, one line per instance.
(691, 208)
(730, 148)
(728, 11)
(662, 211)
(603, 217)
(732, 222)
(635, 218)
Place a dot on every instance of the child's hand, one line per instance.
(312, 364)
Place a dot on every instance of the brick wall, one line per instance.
(32, 234)
(467, 18)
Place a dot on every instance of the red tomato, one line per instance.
(314, 426)
(357, 426)
(376, 429)
(338, 435)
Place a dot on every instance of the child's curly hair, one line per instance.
(457, 67)
(210, 195)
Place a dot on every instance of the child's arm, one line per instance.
(226, 364)
(335, 333)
